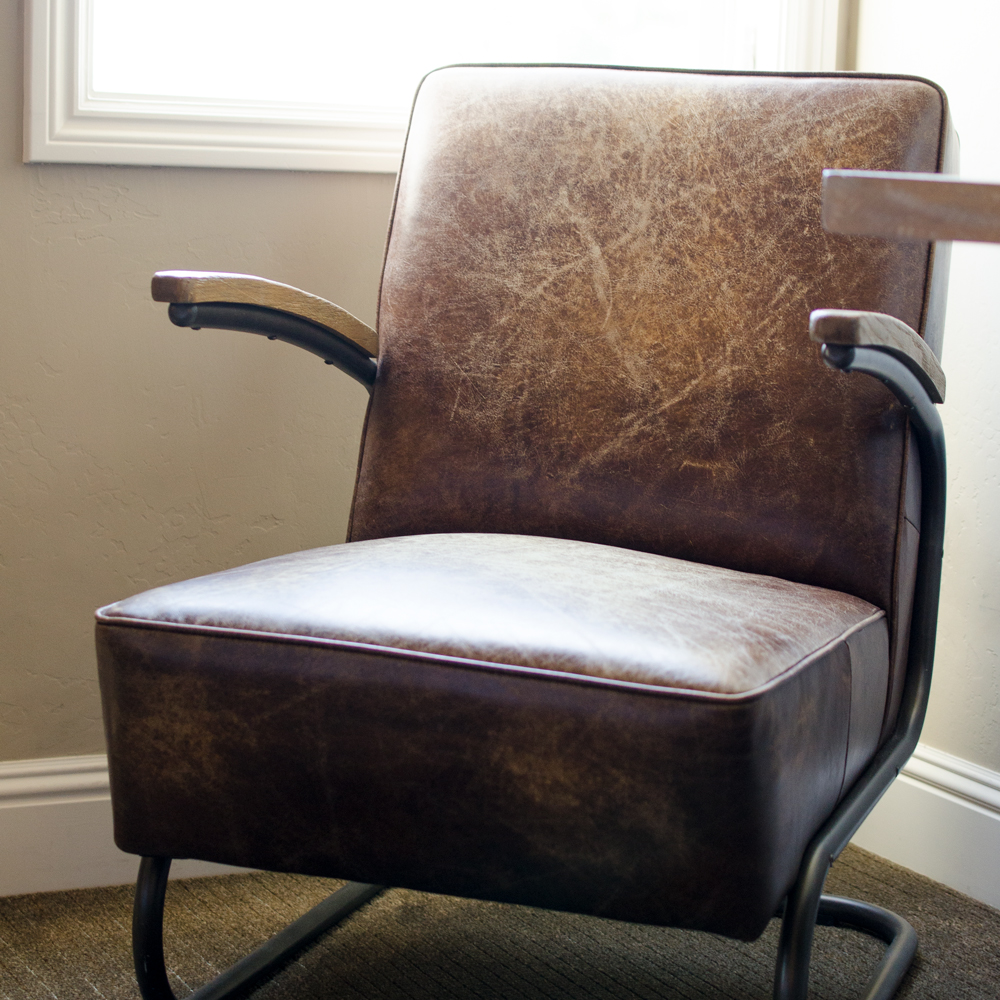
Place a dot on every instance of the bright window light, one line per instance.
(327, 85)
(368, 58)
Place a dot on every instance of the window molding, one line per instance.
(818, 35)
(65, 122)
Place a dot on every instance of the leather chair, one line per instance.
(637, 613)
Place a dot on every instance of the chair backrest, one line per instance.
(594, 311)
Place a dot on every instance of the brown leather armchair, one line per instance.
(637, 615)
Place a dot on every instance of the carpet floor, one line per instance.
(406, 944)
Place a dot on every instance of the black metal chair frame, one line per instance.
(805, 905)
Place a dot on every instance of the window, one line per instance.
(327, 86)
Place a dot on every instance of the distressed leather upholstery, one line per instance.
(626, 602)
(526, 719)
(591, 321)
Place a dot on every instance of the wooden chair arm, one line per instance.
(246, 289)
(910, 206)
(869, 329)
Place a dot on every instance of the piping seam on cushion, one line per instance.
(444, 659)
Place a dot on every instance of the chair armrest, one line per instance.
(867, 329)
(247, 290)
(910, 206)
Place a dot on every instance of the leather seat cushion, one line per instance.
(526, 719)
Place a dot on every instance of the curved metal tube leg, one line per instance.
(259, 965)
(897, 933)
(147, 929)
(798, 925)
(802, 915)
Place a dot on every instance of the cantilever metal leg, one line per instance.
(147, 937)
(897, 933)
(795, 951)
(802, 912)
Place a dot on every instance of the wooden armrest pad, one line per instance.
(910, 206)
(245, 289)
(868, 329)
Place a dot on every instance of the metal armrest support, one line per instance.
(804, 905)
(849, 328)
(279, 312)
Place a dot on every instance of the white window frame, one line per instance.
(65, 123)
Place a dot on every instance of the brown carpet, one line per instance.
(411, 945)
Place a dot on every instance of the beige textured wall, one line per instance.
(955, 45)
(133, 453)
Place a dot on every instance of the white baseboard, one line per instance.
(55, 829)
(941, 818)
